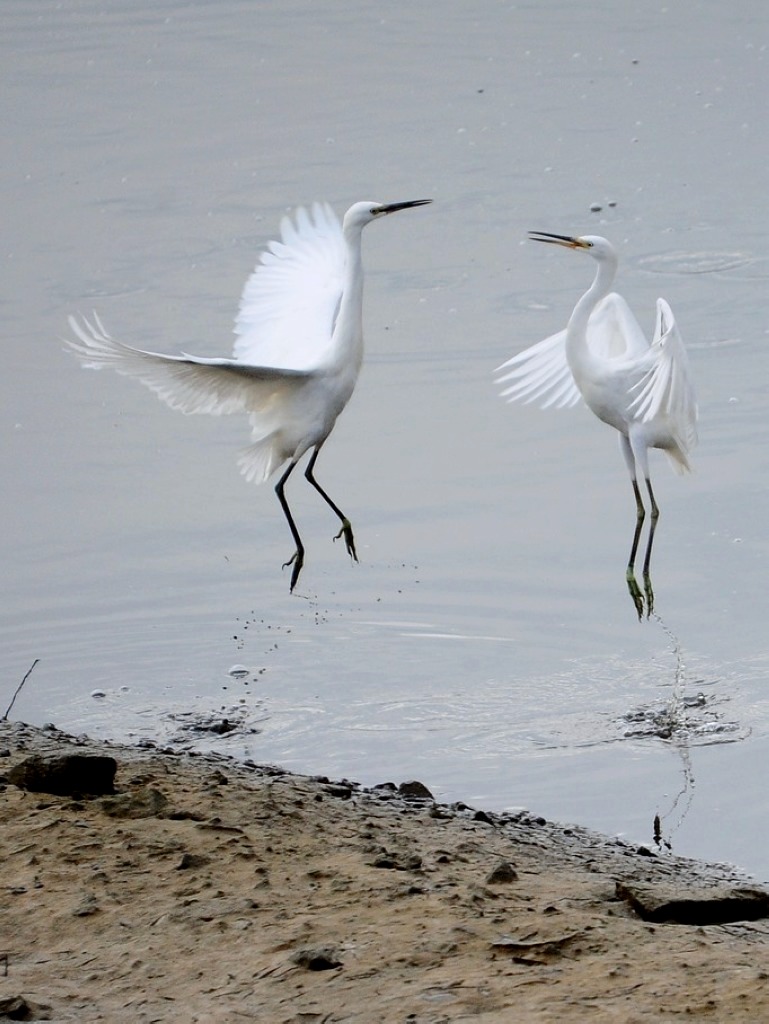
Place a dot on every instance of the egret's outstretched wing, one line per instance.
(193, 384)
(540, 374)
(666, 388)
(190, 384)
(290, 302)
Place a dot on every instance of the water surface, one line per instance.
(486, 643)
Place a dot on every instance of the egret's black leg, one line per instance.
(632, 583)
(640, 516)
(346, 530)
(297, 559)
(655, 514)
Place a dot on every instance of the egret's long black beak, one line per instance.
(566, 240)
(394, 207)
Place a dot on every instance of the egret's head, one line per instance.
(361, 214)
(596, 246)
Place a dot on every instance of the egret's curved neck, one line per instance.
(577, 350)
(348, 331)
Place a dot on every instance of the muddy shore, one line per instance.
(201, 889)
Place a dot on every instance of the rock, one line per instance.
(324, 958)
(66, 775)
(19, 1008)
(142, 803)
(87, 906)
(535, 951)
(338, 789)
(414, 790)
(397, 861)
(503, 874)
(218, 908)
(717, 905)
(441, 811)
(192, 860)
(223, 727)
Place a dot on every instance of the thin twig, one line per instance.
(18, 690)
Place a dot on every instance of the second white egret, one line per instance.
(296, 359)
(643, 390)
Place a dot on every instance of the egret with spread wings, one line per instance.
(297, 355)
(643, 390)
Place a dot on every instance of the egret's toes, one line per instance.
(349, 540)
(649, 595)
(297, 560)
(635, 593)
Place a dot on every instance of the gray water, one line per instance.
(486, 643)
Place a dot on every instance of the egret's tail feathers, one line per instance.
(679, 460)
(260, 460)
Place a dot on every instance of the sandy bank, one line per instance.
(207, 890)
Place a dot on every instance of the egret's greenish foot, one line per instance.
(349, 540)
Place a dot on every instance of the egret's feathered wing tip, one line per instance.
(93, 347)
(540, 374)
(290, 302)
(195, 384)
(666, 389)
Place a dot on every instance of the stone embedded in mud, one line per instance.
(324, 958)
(66, 775)
(338, 789)
(395, 860)
(674, 905)
(87, 906)
(141, 803)
(536, 951)
(19, 1008)
(503, 874)
(415, 790)
(193, 860)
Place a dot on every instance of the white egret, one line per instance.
(643, 390)
(297, 355)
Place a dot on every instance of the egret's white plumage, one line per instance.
(297, 354)
(643, 390)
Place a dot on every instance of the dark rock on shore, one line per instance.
(66, 775)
